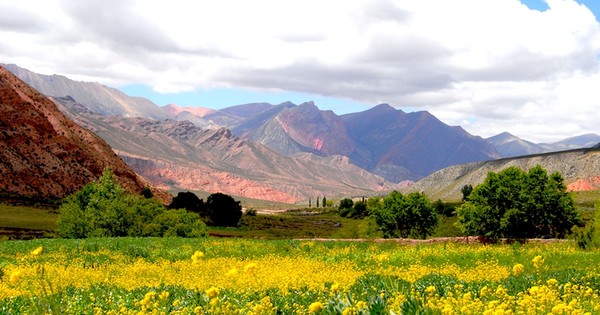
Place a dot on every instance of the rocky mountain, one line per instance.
(192, 114)
(509, 145)
(580, 168)
(95, 96)
(412, 145)
(382, 140)
(175, 110)
(43, 154)
(583, 141)
(179, 155)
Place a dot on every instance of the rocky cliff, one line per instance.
(45, 155)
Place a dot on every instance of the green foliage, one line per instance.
(345, 207)
(588, 237)
(445, 208)
(406, 216)
(518, 204)
(223, 210)
(189, 201)
(466, 191)
(103, 209)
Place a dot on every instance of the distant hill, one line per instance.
(580, 168)
(95, 96)
(509, 145)
(45, 155)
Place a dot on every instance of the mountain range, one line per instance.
(509, 145)
(284, 152)
(46, 156)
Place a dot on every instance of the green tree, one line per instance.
(223, 210)
(466, 191)
(345, 206)
(518, 204)
(102, 208)
(360, 210)
(189, 201)
(324, 203)
(406, 216)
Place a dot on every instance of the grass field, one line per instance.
(244, 276)
(25, 222)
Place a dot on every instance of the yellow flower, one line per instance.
(361, 304)
(232, 272)
(37, 251)
(430, 289)
(197, 256)
(15, 276)
(212, 292)
(249, 268)
(335, 287)
(537, 261)
(315, 307)
(163, 295)
(518, 269)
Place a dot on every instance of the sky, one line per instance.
(531, 68)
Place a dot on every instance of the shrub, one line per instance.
(588, 237)
(103, 209)
(223, 210)
(406, 216)
(518, 204)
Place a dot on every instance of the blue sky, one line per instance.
(531, 68)
(225, 97)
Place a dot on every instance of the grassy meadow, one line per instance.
(263, 267)
(246, 276)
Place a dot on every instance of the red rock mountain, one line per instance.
(180, 156)
(45, 155)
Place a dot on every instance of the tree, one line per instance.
(518, 204)
(406, 216)
(345, 206)
(324, 203)
(223, 210)
(360, 210)
(189, 201)
(466, 191)
(103, 209)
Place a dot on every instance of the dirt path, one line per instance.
(458, 239)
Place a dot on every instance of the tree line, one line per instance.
(509, 204)
(104, 209)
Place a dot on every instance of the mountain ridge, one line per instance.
(45, 155)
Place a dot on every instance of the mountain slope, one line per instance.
(509, 145)
(580, 168)
(179, 155)
(94, 96)
(417, 141)
(43, 154)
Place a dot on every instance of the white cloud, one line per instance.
(491, 65)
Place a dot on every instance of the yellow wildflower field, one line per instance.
(241, 276)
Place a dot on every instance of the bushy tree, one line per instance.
(518, 204)
(406, 216)
(466, 191)
(223, 210)
(103, 209)
(345, 207)
(588, 237)
(189, 201)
